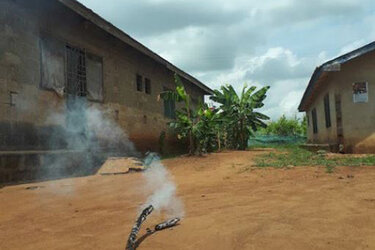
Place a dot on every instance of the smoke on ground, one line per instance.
(161, 188)
(91, 131)
(85, 134)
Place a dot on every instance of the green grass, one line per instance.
(293, 155)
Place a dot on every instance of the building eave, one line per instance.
(331, 65)
(121, 35)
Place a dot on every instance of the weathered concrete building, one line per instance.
(52, 51)
(340, 103)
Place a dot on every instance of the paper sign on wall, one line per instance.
(360, 92)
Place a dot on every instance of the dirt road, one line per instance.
(228, 205)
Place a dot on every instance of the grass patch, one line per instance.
(293, 155)
(329, 168)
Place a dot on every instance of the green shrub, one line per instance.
(286, 127)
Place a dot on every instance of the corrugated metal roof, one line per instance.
(331, 64)
(116, 32)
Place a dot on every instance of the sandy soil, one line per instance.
(228, 205)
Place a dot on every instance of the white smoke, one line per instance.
(88, 134)
(85, 126)
(92, 131)
(163, 189)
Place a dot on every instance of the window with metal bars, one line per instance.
(76, 71)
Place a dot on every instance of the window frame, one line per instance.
(91, 57)
(169, 107)
(314, 120)
(139, 84)
(327, 111)
(75, 72)
(308, 119)
(13, 97)
(148, 86)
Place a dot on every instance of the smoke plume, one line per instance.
(86, 134)
(91, 132)
(161, 188)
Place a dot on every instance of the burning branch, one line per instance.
(132, 244)
(167, 224)
(133, 235)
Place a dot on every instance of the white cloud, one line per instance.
(278, 64)
(351, 46)
(284, 97)
(196, 48)
(285, 72)
(259, 42)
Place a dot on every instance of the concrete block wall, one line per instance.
(25, 166)
(26, 125)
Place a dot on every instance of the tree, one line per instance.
(240, 113)
(229, 125)
(207, 129)
(286, 127)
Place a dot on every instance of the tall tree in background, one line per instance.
(242, 119)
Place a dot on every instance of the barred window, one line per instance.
(76, 71)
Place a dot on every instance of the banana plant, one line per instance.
(207, 129)
(201, 125)
(185, 119)
(240, 112)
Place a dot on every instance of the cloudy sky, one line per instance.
(277, 43)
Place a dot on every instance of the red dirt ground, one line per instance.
(228, 205)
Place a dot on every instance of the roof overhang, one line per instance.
(116, 32)
(318, 78)
(324, 70)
